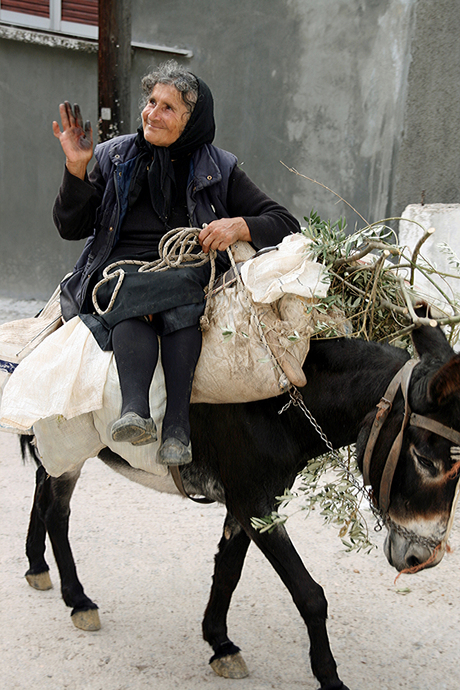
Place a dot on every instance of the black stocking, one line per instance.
(179, 355)
(135, 346)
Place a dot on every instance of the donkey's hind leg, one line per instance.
(50, 514)
(38, 573)
(227, 660)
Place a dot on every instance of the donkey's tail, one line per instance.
(29, 449)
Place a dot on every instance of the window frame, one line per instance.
(53, 23)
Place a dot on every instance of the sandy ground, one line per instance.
(147, 560)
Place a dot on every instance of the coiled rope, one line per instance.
(175, 250)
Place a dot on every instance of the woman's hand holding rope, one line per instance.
(220, 234)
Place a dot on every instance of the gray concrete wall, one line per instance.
(342, 90)
(428, 158)
(33, 258)
(317, 84)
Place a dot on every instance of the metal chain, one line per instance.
(297, 400)
(409, 535)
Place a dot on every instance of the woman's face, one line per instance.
(165, 115)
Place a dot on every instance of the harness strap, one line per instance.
(435, 427)
(450, 523)
(393, 455)
(453, 436)
(384, 408)
(402, 379)
(176, 475)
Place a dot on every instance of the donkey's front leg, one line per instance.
(307, 594)
(227, 660)
(50, 513)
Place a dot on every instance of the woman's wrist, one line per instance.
(243, 230)
(76, 168)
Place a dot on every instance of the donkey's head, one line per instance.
(419, 502)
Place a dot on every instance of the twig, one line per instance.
(382, 301)
(416, 252)
(296, 172)
(378, 267)
(370, 246)
(448, 321)
(427, 275)
(416, 319)
(400, 334)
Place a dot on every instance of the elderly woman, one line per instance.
(168, 175)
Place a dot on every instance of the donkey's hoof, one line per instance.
(41, 581)
(87, 620)
(230, 666)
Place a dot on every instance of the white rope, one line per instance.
(175, 250)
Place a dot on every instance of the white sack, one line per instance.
(65, 444)
(64, 375)
(290, 268)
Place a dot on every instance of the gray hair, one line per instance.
(172, 74)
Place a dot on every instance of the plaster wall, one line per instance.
(440, 251)
(33, 81)
(317, 85)
(428, 159)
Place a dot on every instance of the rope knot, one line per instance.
(204, 323)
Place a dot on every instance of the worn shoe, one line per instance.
(174, 452)
(131, 428)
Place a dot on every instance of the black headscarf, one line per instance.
(157, 160)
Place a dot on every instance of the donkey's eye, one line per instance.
(424, 462)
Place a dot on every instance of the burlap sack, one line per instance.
(255, 349)
(235, 364)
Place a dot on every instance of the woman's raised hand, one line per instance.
(76, 140)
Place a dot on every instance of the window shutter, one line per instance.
(39, 8)
(81, 11)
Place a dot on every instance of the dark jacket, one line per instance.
(96, 207)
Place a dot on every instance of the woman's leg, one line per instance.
(179, 355)
(135, 346)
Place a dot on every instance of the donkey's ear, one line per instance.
(445, 383)
(430, 339)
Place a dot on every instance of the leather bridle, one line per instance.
(400, 380)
